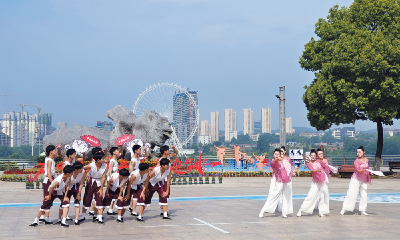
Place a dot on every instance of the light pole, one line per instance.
(282, 116)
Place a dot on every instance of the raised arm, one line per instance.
(175, 153)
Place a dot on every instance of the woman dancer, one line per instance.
(319, 189)
(280, 189)
(358, 185)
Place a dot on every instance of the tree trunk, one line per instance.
(379, 146)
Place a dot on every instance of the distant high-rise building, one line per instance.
(205, 128)
(248, 122)
(229, 123)
(289, 129)
(184, 115)
(265, 120)
(108, 126)
(214, 126)
(24, 128)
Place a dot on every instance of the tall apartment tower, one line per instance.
(229, 123)
(204, 128)
(214, 126)
(265, 120)
(248, 121)
(23, 128)
(289, 128)
(183, 115)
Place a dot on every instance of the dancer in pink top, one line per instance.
(280, 191)
(358, 185)
(319, 188)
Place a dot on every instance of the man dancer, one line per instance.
(55, 190)
(155, 182)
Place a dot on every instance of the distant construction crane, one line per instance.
(22, 118)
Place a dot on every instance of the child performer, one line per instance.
(280, 189)
(358, 185)
(74, 189)
(134, 165)
(97, 177)
(93, 210)
(55, 190)
(113, 168)
(155, 182)
(71, 156)
(115, 187)
(49, 174)
(134, 189)
(319, 188)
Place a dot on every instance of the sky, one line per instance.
(78, 59)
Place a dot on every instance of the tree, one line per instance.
(262, 144)
(328, 138)
(356, 66)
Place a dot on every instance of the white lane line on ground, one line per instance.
(210, 225)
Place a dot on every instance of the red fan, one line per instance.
(93, 141)
(124, 139)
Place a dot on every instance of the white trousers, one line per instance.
(356, 187)
(318, 194)
(279, 194)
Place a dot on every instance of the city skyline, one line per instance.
(65, 55)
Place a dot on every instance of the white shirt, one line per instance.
(138, 179)
(158, 177)
(53, 168)
(66, 163)
(115, 165)
(60, 189)
(76, 180)
(115, 183)
(137, 162)
(96, 175)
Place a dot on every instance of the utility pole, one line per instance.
(282, 116)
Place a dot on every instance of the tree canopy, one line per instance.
(356, 62)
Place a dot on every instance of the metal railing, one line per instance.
(334, 160)
(21, 163)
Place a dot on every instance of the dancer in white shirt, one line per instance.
(280, 190)
(319, 188)
(358, 185)
(55, 190)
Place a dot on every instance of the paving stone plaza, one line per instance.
(217, 211)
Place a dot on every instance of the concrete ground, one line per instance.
(234, 217)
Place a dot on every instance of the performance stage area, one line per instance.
(216, 211)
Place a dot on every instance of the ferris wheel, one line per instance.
(175, 103)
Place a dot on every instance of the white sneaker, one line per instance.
(342, 212)
(261, 215)
(364, 213)
(299, 214)
(284, 215)
(321, 215)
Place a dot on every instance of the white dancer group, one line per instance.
(128, 188)
(280, 192)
